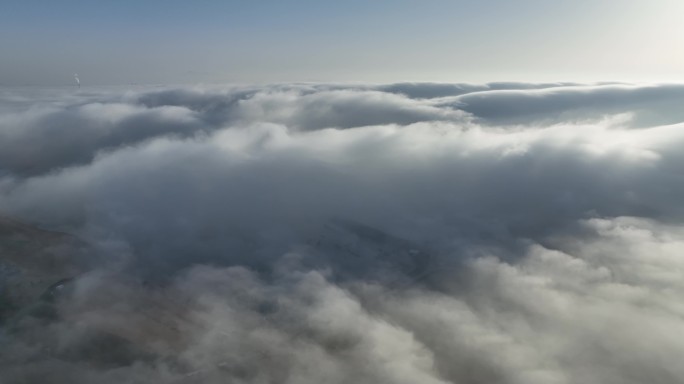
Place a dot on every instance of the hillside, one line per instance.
(33, 259)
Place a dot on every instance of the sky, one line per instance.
(175, 42)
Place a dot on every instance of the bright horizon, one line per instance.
(173, 42)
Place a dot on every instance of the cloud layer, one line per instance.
(299, 233)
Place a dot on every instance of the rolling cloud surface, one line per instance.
(308, 233)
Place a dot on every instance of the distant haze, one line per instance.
(171, 42)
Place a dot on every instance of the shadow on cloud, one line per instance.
(436, 233)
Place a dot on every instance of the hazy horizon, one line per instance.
(151, 42)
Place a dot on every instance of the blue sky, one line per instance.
(123, 42)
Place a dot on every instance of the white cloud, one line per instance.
(301, 233)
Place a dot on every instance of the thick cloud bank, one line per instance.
(406, 233)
